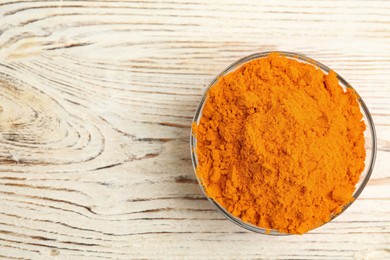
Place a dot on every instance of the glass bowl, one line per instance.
(369, 135)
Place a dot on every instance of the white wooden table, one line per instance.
(96, 102)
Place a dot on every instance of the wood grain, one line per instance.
(96, 102)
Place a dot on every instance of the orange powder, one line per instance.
(280, 144)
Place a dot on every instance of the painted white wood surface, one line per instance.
(96, 102)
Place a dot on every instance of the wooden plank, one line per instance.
(96, 103)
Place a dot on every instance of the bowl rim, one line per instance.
(302, 58)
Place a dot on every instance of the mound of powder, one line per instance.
(280, 144)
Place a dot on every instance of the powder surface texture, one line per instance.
(280, 144)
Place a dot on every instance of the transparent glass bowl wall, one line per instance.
(369, 134)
